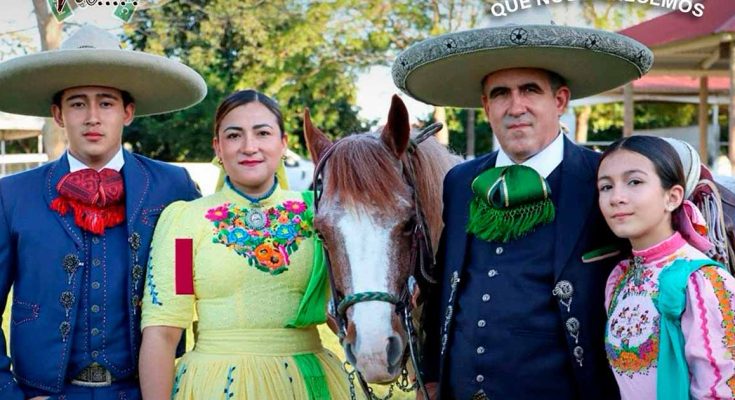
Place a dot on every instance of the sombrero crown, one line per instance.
(448, 70)
(93, 57)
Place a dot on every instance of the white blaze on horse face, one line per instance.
(367, 249)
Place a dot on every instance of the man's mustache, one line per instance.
(515, 120)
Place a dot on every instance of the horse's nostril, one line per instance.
(394, 350)
(349, 354)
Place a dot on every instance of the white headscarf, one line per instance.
(690, 161)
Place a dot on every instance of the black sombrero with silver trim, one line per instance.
(447, 70)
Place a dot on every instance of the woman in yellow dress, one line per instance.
(244, 258)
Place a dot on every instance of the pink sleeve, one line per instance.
(708, 324)
(613, 280)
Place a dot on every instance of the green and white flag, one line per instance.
(61, 9)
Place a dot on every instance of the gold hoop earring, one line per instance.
(219, 161)
(283, 157)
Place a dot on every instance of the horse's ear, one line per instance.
(316, 141)
(396, 132)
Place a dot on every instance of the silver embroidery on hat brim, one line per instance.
(631, 54)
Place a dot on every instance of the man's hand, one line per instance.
(430, 389)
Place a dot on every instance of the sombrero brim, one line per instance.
(448, 70)
(157, 84)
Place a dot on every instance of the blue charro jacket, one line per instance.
(40, 257)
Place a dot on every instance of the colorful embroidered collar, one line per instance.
(660, 250)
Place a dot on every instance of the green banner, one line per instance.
(61, 9)
(125, 10)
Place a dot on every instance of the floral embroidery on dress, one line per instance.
(632, 340)
(265, 238)
(728, 314)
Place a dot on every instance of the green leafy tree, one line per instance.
(458, 127)
(302, 53)
(607, 123)
(606, 120)
(449, 16)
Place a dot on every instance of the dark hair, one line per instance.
(242, 97)
(556, 81)
(127, 98)
(663, 156)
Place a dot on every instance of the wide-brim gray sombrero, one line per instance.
(448, 70)
(93, 57)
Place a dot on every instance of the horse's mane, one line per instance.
(362, 175)
(431, 163)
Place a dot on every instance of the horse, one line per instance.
(377, 189)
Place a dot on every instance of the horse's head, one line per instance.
(367, 216)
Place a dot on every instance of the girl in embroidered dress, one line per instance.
(257, 287)
(671, 326)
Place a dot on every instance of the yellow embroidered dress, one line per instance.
(251, 267)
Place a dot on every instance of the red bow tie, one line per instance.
(96, 198)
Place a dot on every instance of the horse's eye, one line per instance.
(409, 226)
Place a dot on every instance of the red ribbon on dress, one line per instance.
(184, 266)
(95, 198)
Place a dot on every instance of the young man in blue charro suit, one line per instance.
(75, 233)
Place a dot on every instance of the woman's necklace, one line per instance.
(255, 218)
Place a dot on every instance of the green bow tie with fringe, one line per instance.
(509, 202)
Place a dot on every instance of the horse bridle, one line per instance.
(421, 253)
